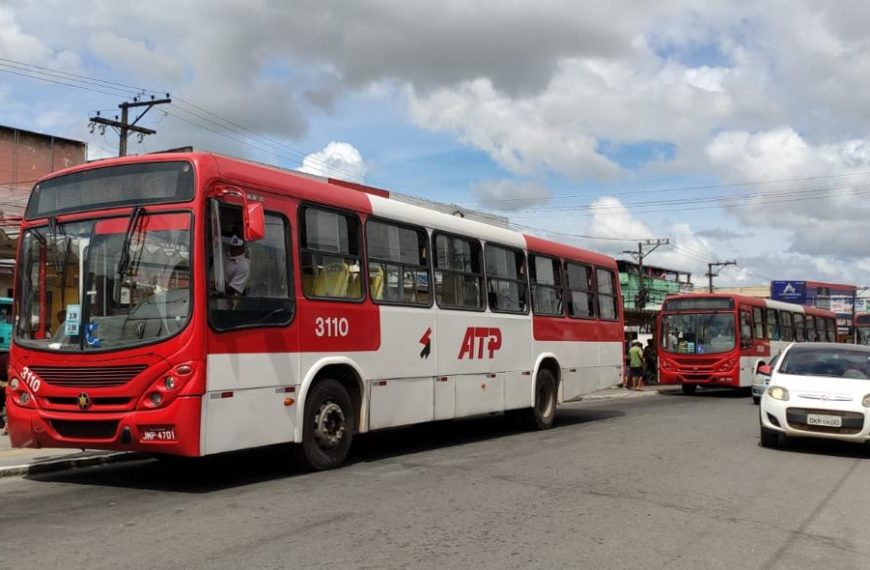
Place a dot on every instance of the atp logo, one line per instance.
(480, 338)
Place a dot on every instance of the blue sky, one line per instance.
(622, 120)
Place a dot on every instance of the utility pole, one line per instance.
(639, 255)
(125, 128)
(722, 264)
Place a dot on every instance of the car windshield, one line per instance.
(826, 362)
(101, 284)
(698, 333)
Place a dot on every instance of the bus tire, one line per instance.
(770, 438)
(689, 388)
(328, 426)
(543, 412)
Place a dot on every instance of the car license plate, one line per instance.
(823, 420)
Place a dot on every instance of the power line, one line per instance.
(97, 85)
(581, 236)
(684, 188)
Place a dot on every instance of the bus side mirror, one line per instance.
(254, 221)
(764, 370)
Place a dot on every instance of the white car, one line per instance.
(817, 390)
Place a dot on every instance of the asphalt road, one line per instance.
(666, 481)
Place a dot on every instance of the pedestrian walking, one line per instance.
(635, 366)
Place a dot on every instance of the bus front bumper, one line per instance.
(173, 430)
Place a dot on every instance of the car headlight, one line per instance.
(778, 393)
(866, 401)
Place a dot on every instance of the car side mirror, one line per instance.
(764, 370)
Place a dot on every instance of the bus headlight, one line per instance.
(778, 393)
(14, 383)
(169, 382)
(156, 399)
(866, 401)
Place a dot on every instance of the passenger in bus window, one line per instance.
(237, 267)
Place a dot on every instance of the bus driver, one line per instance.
(237, 267)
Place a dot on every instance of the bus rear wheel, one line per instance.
(689, 388)
(543, 412)
(328, 426)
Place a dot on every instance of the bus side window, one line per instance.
(607, 309)
(398, 258)
(330, 245)
(267, 297)
(581, 300)
(506, 280)
(545, 274)
(458, 272)
(773, 324)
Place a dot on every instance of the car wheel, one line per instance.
(689, 388)
(328, 426)
(770, 438)
(756, 400)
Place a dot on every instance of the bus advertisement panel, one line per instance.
(192, 304)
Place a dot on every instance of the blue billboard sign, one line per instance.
(789, 291)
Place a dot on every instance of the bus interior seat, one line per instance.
(376, 282)
(332, 280)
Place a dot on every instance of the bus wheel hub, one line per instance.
(329, 425)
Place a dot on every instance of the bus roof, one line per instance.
(757, 302)
(348, 195)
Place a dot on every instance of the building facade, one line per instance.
(25, 157)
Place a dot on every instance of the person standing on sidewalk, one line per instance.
(650, 362)
(635, 366)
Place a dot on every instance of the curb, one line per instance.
(62, 464)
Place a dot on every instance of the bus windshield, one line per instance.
(80, 288)
(698, 333)
(863, 334)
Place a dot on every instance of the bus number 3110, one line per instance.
(331, 326)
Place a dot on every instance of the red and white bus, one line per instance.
(719, 340)
(359, 312)
(862, 328)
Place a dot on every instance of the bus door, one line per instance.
(253, 331)
(753, 345)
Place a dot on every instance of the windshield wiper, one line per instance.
(124, 260)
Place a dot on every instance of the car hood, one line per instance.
(843, 389)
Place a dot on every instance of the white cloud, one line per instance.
(823, 196)
(337, 160)
(510, 194)
(541, 87)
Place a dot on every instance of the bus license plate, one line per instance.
(158, 434)
(822, 420)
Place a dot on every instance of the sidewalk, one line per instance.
(617, 392)
(32, 461)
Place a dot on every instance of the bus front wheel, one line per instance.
(689, 388)
(328, 426)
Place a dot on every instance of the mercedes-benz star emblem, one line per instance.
(84, 401)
